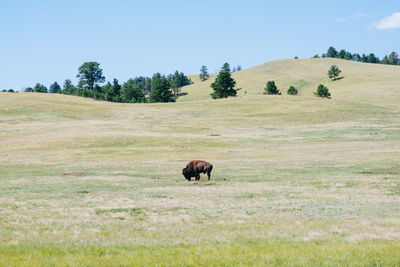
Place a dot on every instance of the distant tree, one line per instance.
(55, 88)
(28, 90)
(177, 81)
(226, 67)
(107, 91)
(348, 56)
(234, 69)
(334, 72)
(271, 89)
(203, 73)
(68, 88)
(116, 91)
(10, 90)
(133, 92)
(296, 57)
(90, 74)
(331, 52)
(112, 92)
(160, 89)
(40, 88)
(292, 91)
(357, 57)
(393, 58)
(341, 54)
(316, 56)
(385, 60)
(364, 58)
(322, 91)
(4, 90)
(239, 68)
(224, 84)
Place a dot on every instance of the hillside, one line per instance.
(362, 82)
(297, 180)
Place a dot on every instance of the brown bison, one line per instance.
(195, 167)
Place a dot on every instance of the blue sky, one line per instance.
(46, 41)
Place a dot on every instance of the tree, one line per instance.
(160, 89)
(177, 81)
(357, 57)
(133, 92)
(224, 84)
(341, 54)
(292, 91)
(226, 67)
(331, 52)
(393, 58)
(371, 58)
(334, 72)
(203, 73)
(322, 91)
(68, 88)
(90, 74)
(271, 89)
(55, 88)
(40, 88)
(348, 56)
(28, 90)
(111, 92)
(239, 68)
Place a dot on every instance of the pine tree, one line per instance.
(226, 67)
(322, 91)
(160, 89)
(40, 88)
(224, 84)
(55, 88)
(132, 91)
(292, 91)
(271, 89)
(334, 72)
(331, 52)
(204, 73)
(90, 74)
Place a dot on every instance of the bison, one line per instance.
(195, 167)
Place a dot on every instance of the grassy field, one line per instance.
(297, 180)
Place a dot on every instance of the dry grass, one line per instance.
(290, 170)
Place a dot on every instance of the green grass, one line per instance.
(240, 253)
(297, 180)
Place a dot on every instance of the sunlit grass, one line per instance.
(297, 180)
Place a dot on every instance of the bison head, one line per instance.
(188, 173)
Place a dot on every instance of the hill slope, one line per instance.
(296, 180)
(363, 82)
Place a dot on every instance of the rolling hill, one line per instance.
(297, 180)
(363, 82)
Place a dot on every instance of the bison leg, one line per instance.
(209, 173)
(198, 177)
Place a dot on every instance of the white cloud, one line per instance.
(341, 20)
(391, 22)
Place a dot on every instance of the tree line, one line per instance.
(158, 88)
(391, 59)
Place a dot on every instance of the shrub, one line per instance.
(322, 91)
(292, 91)
(271, 89)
